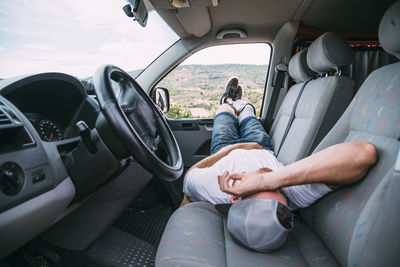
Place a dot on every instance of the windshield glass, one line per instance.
(76, 37)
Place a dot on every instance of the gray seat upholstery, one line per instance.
(323, 100)
(197, 235)
(359, 223)
(354, 226)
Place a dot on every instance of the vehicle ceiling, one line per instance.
(263, 18)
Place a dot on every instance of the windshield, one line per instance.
(76, 37)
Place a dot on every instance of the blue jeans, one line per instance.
(227, 131)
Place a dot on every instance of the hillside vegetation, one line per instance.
(196, 89)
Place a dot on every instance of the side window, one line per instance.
(196, 85)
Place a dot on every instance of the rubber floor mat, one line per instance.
(118, 248)
(147, 225)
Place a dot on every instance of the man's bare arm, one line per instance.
(211, 160)
(336, 165)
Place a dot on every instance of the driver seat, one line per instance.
(356, 225)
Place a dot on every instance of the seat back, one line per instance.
(359, 223)
(322, 102)
(300, 73)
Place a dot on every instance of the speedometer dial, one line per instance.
(49, 131)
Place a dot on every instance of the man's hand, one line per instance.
(244, 184)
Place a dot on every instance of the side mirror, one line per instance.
(160, 97)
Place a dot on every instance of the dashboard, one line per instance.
(41, 153)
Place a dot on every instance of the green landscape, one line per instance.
(195, 90)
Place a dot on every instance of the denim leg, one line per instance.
(225, 131)
(252, 131)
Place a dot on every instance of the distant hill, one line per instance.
(209, 77)
(197, 88)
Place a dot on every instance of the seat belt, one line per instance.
(292, 116)
(281, 68)
(397, 163)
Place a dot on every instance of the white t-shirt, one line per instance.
(201, 184)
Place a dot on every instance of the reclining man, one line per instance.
(243, 167)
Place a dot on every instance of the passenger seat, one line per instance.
(322, 102)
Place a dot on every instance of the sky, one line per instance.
(76, 37)
(237, 54)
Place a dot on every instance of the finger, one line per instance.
(224, 183)
(236, 183)
(221, 180)
(230, 189)
(227, 188)
(236, 176)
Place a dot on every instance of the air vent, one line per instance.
(4, 119)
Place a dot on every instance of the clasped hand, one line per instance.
(244, 184)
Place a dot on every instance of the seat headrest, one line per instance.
(298, 67)
(329, 52)
(389, 30)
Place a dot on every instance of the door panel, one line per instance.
(193, 137)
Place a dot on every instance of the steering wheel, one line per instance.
(139, 125)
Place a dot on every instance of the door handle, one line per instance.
(189, 126)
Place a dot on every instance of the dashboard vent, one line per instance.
(4, 119)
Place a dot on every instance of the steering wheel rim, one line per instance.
(130, 135)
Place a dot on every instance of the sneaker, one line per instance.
(238, 94)
(230, 90)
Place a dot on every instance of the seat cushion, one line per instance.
(196, 235)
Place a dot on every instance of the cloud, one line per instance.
(43, 47)
(76, 38)
(76, 62)
(24, 32)
(101, 15)
(28, 62)
(122, 47)
(232, 54)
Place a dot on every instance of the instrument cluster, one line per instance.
(49, 130)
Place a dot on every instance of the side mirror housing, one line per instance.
(160, 97)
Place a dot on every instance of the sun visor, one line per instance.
(193, 20)
(197, 27)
